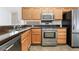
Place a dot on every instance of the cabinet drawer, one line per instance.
(61, 37)
(61, 30)
(63, 34)
(38, 31)
(61, 41)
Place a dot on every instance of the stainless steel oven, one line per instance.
(49, 36)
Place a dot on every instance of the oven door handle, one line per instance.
(9, 47)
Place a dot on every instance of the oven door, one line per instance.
(49, 34)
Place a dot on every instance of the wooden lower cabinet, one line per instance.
(24, 45)
(25, 40)
(32, 36)
(36, 36)
(61, 41)
(36, 39)
(61, 35)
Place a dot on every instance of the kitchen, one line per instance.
(39, 29)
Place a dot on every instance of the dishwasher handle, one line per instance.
(9, 47)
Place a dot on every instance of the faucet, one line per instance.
(14, 27)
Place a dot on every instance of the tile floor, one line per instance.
(57, 48)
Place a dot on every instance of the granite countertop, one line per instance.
(8, 36)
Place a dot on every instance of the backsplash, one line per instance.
(5, 29)
(32, 22)
(39, 22)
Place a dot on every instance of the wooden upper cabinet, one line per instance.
(51, 10)
(29, 13)
(26, 13)
(58, 13)
(47, 9)
(36, 12)
(66, 9)
(44, 9)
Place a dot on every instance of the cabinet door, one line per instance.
(25, 40)
(36, 12)
(51, 10)
(58, 13)
(26, 13)
(47, 9)
(29, 38)
(36, 31)
(36, 36)
(66, 9)
(36, 39)
(44, 10)
(24, 45)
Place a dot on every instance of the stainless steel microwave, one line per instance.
(47, 16)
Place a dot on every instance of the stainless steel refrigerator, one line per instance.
(75, 28)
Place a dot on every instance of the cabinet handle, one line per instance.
(73, 27)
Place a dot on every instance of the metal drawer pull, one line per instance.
(9, 47)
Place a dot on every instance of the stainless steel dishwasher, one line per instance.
(12, 45)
